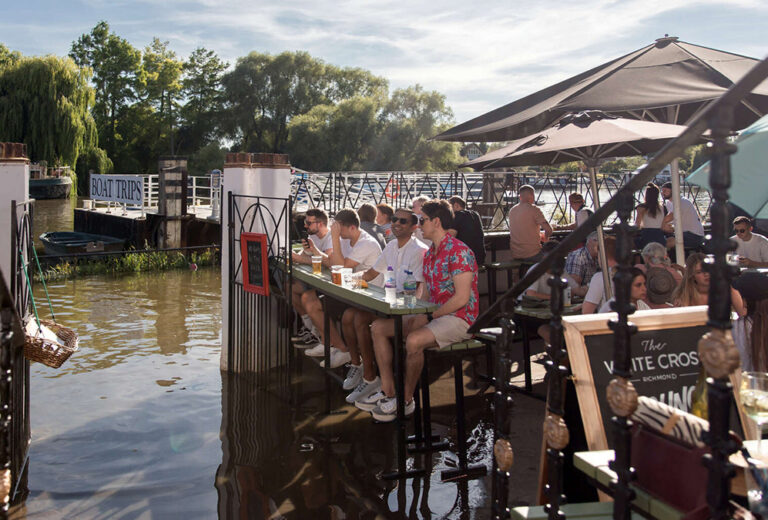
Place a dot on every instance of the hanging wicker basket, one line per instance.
(49, 352)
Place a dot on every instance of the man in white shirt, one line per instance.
(693, 230)
(752, 248)
(354, 248)
(316, 224)
(405, 253)
(416, 204)
(595, 297)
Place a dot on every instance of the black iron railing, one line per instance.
(716, 349)
(259, 326)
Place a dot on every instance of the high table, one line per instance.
(372, 300)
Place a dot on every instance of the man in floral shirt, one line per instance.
(450, 273)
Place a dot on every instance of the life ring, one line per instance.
(392, 191)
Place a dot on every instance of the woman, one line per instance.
(650, 216)
(660, 285)
(694, 290)
(637, 293)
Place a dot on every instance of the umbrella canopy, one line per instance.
(748, 171)
(669, 81)
(586, 136)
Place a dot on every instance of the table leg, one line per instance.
(399, 369)
(527, 357)
(327, 353)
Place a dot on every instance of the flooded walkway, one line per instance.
(141, 424)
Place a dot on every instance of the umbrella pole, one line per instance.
(602, 257)
(677, 216)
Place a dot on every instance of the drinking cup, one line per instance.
(346, 278)
(336, 274)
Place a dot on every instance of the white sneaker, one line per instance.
(386, 411)
(338, 358)
(316, 351)
(354, 377)
(364, 389)
(371, 401)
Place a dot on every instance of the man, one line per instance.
(468, 228)
(405, 253)
(384, 214)
(581, 213)
(582, 264)
(525, 224)
(450, 275)
(595, 297)
(352, 247)
(316, 224)
(752, 248)
(416, 204)
(367, 214)
(693, 231)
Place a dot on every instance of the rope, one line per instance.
(45, 286)
(29, 287)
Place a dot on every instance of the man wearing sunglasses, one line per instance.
(752, 248)
(450, 275)
(405, 253)
(316, 224)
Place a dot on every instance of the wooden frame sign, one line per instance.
(664, 364)
(253, 252)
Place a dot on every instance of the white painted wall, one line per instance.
(14, 179)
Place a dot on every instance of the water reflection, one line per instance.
(53, 215)
(141, 424)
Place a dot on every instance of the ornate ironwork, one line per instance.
(502, 405)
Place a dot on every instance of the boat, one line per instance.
(59, 243)
(53, 183)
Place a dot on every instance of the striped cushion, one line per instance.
(671, 421)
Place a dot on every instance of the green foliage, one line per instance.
(132, 263)
(623, 164)
(7, 56)
(161, 91)
(201, 87)
(45, 103)
(93, 160)
(207, 158)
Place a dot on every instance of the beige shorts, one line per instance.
(449, 329)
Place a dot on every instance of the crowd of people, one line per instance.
(441, 245)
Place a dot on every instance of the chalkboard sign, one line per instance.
(253, 250)
(664, 363)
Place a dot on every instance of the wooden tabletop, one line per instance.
(371, 298)
(543, 313)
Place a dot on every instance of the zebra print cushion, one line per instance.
(671, 421)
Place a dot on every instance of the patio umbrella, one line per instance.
(668, 81)
(590, 137)
(748, 171)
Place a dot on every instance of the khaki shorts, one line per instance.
(449, 329)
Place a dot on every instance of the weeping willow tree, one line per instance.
(45, 103)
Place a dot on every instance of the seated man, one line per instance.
(316, 224)
(752, 248)
(581, 214)
(352, 247)
(405, 253)
(582, 264)
(693, 231)
(595, 297)
(468, 228)
(450, 273)
(525, 224)
(367, 214)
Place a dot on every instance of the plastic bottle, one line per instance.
(567, 296)
(409, 289)
(390, 287)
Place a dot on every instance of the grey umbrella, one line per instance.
(589, 137)
(668, 81)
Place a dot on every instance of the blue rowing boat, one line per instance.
(72, 242)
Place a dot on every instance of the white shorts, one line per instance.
(449, 329)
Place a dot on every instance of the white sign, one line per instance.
(126, 189)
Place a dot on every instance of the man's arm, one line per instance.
(462, 285)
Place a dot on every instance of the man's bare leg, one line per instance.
(350, 334)
(381, 331)
(417, 341)
(315, 310)
(362, 326)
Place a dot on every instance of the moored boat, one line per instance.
(49, 183)
(73, 242)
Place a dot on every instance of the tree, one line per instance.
(7, 56)
(117, 75)
(201, 88)
(335, 137)
(410, 118)
(45, 103)
(161, 89)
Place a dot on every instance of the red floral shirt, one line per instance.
(450, 258)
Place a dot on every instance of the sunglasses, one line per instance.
(740, 231)
(423, 219)
(403, 221)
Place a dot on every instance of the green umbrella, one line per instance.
(749, 170)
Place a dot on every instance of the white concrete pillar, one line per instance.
(14, 179)
(252, 175)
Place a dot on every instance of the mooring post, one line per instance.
(172, 203)
(259, 184)
(14, 176)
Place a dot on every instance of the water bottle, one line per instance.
(409, 289)
(567, 296)
(390, 287)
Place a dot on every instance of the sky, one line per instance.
(480, 55)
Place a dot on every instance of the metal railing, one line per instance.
(491, 194)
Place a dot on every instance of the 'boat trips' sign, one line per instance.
(126, 189)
